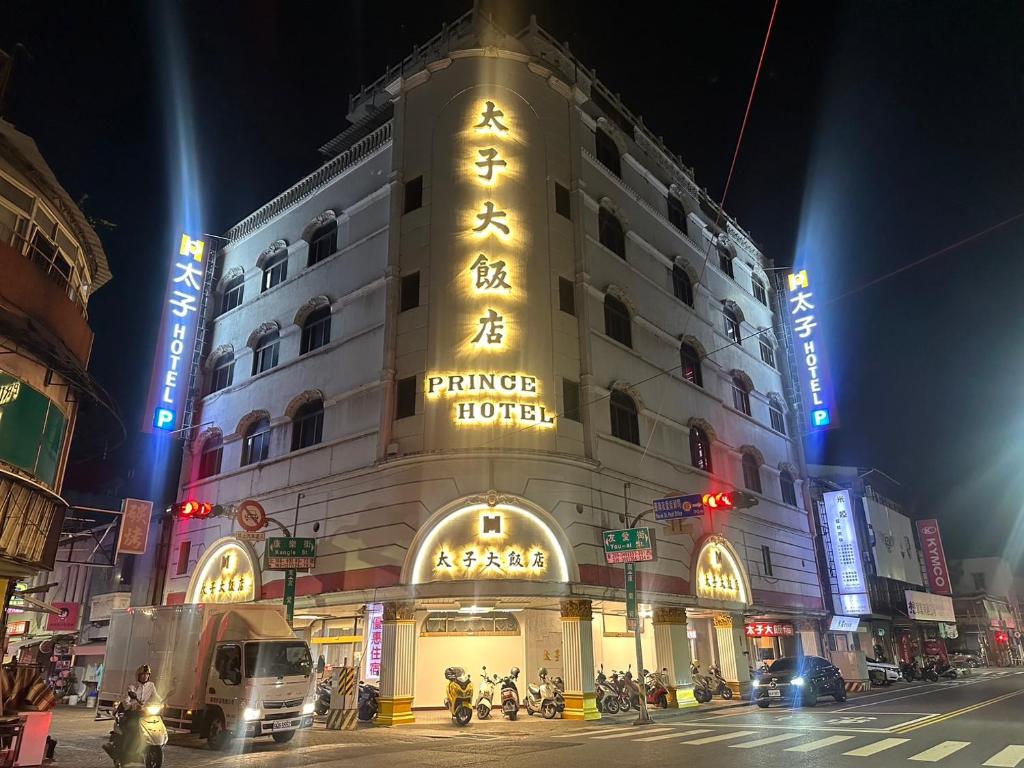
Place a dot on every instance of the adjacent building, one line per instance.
(499, 320)
(987, 610)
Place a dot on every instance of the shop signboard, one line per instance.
(288, 552)
(893, 547)
(18, 628)
(844, 547)
(814, 377)
(632, 545)
(31, 429)
(768, 629)
(677, 507)
(374, 646)
(66, 618)
(844, 624)
(101, 607)
(922, 606)
(934, 557)
(134, 534)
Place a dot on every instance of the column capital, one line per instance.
(577, 610)
(669, 615)
(723, 621)
(399, 611)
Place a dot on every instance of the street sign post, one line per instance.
(289, 593)
(290, 553)
(632, 545)
(678, 507)
(632, 614)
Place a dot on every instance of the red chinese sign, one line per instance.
(18, 628)
(135, 517)
(759, 629)
(66, 620)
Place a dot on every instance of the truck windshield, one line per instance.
(277, 659)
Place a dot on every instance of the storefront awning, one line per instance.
(90, 649)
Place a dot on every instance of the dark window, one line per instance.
(725, 262)
(563, 203)
(410, 290)
(566, 296)
(323, 243)
(979, 581)
(608, 152)
(571, 400)
(413, 194)
(760, 292)
(184, 551)
(223, 372)
(732, 324)
(625, 425)
(788, 487)
(405, 402)
(681, 285)
(740, 395)
(610, 232)
(689, 362)
(124, 578)
(308, 425)
(264, 356)
(316, 330)
(766, 560)
(275, 271)
(676, 213)
(231, 296)
(210, 458)
(700, 449)
(257, 442)
(751, 473)
(767, 353)
(778, 419)
(616, 321)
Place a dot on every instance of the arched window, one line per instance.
(788, 487)
(607, 152)
(616, 321)
(308, 425)
(264, 355)
(689, 362)
(232, 293)
(777, 416)
(223, 372)
(275, 270)
(725, 258)
(681, 285)
(316, 329)
(700, 449)
(610, 232)
(323, 242)
(676, 212)
(732, 323)
(751, 473)
(257, 442)
(740, 395)
(625, 424)
(211, 455)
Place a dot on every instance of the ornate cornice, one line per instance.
(577, 610)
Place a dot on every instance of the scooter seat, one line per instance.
(534, 689)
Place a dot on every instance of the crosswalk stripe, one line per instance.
(592, 732)
(768, 740)
(872, 749)
(939, 751)
(819, 744)
(674, 734)
(621, 735)
(719, 737)
(1007, 758)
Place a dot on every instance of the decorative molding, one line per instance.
(309, 306)
(492, 499)
(210, 433)
(270, 251)
(228, 276)
(298, 401)
(318, 221)
(614, 132)
(674, 616)
(704, 425)
(577, 610)
(626, 388)
(785, 466)
(260, 331)
(217, 354)
(753, 450)
(399, 612)
(249, 419)
(615, 210)
(698, 347)
(722, 621)
(618, 293)
(743, 376)
(730, 304)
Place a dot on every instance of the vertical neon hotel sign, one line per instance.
(171, 370)
(809, 352)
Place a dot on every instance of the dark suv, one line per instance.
(799, 681)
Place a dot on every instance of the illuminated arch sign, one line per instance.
(226, 573)
(718, 572)
(486, 542)
(810, 353)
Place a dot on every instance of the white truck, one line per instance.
(221, 671)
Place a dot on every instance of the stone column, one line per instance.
(672, 654)
(731, 644)
(397, 664)
(578, 661)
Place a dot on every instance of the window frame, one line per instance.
(566, 296)
(686, 351)
(676, 212)
(701, 457)
(732, 325)
(184, 554)
(309, 416)
(263, 349)
(767, 354)
(223, 362)
(211, 446)
(409, 291)
(777, 417)
(787, 487)
(624, 416)
(412, 195)
(572, 411)
(616, 311)
(316, 323)
(682, 285)
(563, 201)
(275, 271)
(256, 434)
(741, 395)
(324, 233)
(725, 262)
(752, 473)
(606, 151)
(233, 288)
(759, 289)
(766, 560)
(406, 397)
(608, 222)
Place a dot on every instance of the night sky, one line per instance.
(881, 133)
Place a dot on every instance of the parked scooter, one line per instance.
(703, 691)
(137, 737)
(718, 683)
(910, 671)
(485, 695)
(323, 698)
(657, 688)
(459, 695)
(368, 706)
(629, 691)
(943, 669)
(545, 697)
(510, 694)
(607, 694)
(929, 673)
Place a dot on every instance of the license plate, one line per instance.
(774, 693)
(283, 725)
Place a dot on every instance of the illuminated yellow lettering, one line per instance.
(529, 383)
(455, 383)
(508, 382)
(798, 280)
(528, 411)
(487, 381)
(433, 382)
(465, 411)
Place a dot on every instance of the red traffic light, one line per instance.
(725, 500)
(193, 509)
(1002, 638)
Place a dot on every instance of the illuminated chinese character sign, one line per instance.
(809, 350)
(844, 548)
(374, 641)
(765, 629)
(176, 342)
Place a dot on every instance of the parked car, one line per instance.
(799, 681)
(882, 672)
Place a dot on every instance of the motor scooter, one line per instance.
(910, 671)
(607, 695)
(928, 672)
(703, 691)
(510, 694)
(657, 688)
(459, 695)
(545, 697)
(368, 706)
(718, 683)
(629, 691)
(137, 736)
(485, 694)
(323, 698)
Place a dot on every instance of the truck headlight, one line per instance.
(154, 709)
(797, 681)
(307, 709)
(251, 713)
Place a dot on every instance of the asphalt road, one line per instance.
(977, 721)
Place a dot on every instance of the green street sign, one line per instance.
(289, 593)
(291, 553)
(632, 613)
(632, 545)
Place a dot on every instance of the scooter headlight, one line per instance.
(797, 681)
(251, 713)
(307, 709)
(154, 709)
(756, 684)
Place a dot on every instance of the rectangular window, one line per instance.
(257, 447)
(222, 376)
(410, 290)
(124, 578)
(265, 358)
(184, 550)
(324, 243)
(767, 353)
(414, 194)
(209, 461)
(275, 273)
(566, 296)
(563, 204)
(232, 297)
(676, 213)
(571, 400)
(979, 581)
(308, 430)
(778, 420)
(405, 402)
(760, 292)
(725, 263)
(766, 559)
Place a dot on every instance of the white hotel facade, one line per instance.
(458, 351)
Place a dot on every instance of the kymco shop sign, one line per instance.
(934, 557)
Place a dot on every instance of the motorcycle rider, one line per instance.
(139, 694)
